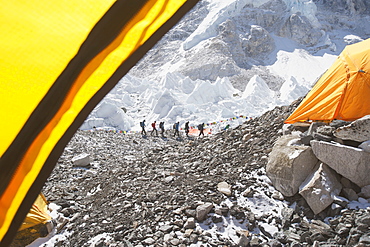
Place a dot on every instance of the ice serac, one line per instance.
(258, 93)
(220, 12)
(164, 104)
(259, 41)
(235, 40)
(207, 92)
(306, 8)
(107, 113)
(291, 90)
(352, 163)
(289, 164)
(355, 7)
(320, 188)
(223, 10)
(298, 28)
(299, 69)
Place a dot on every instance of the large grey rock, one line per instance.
(350, 194)
(365, 146)
(365, 191)
(358, 130)
(289, 165)
(352, 163)
(203, 210)
(313, 127)
(319, 189)
(190, 223)
(81, 160)
(224, 188)
(244, 239)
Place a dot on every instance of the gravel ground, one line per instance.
(154, 191)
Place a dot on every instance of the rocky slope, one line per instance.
(188, 192)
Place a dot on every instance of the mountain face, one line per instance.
(352, 7)
(223, 45)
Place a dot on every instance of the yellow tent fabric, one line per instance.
(38, 213)
(58, 60)
(342, 92)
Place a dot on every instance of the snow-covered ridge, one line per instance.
(230, 58)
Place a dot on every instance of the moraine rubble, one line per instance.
(210, 191)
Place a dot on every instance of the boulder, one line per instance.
(352, 163)
(321, 137)
(320, 188)
(313, 128)
(326, 130)
(287, 129)
(244, 239)
(289, 164)
(358, 130)
(190, 223)
(350, 194)
(365, 191)
(365, 146)
(203, 210)
(224, 188)
(81, 160)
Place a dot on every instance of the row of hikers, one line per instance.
(176, 127)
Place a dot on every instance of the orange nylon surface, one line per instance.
(342, 92)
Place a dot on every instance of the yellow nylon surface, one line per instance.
(38, 214)
(92, 78)
(38, 39)
(342, 92)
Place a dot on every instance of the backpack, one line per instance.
(141, 124)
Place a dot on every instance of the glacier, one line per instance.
(231, 58)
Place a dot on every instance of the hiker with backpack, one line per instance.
(161, 126)
(154, 129)
(176, 128)
(187, 129)
(142, 125)
(201, 129)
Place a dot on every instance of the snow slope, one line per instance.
(231, 58)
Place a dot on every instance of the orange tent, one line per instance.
(195, 132)
(342, 92)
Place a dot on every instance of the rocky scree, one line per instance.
(158, 192)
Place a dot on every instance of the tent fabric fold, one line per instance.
(342, 92)
(38, 213)
(59, 59)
